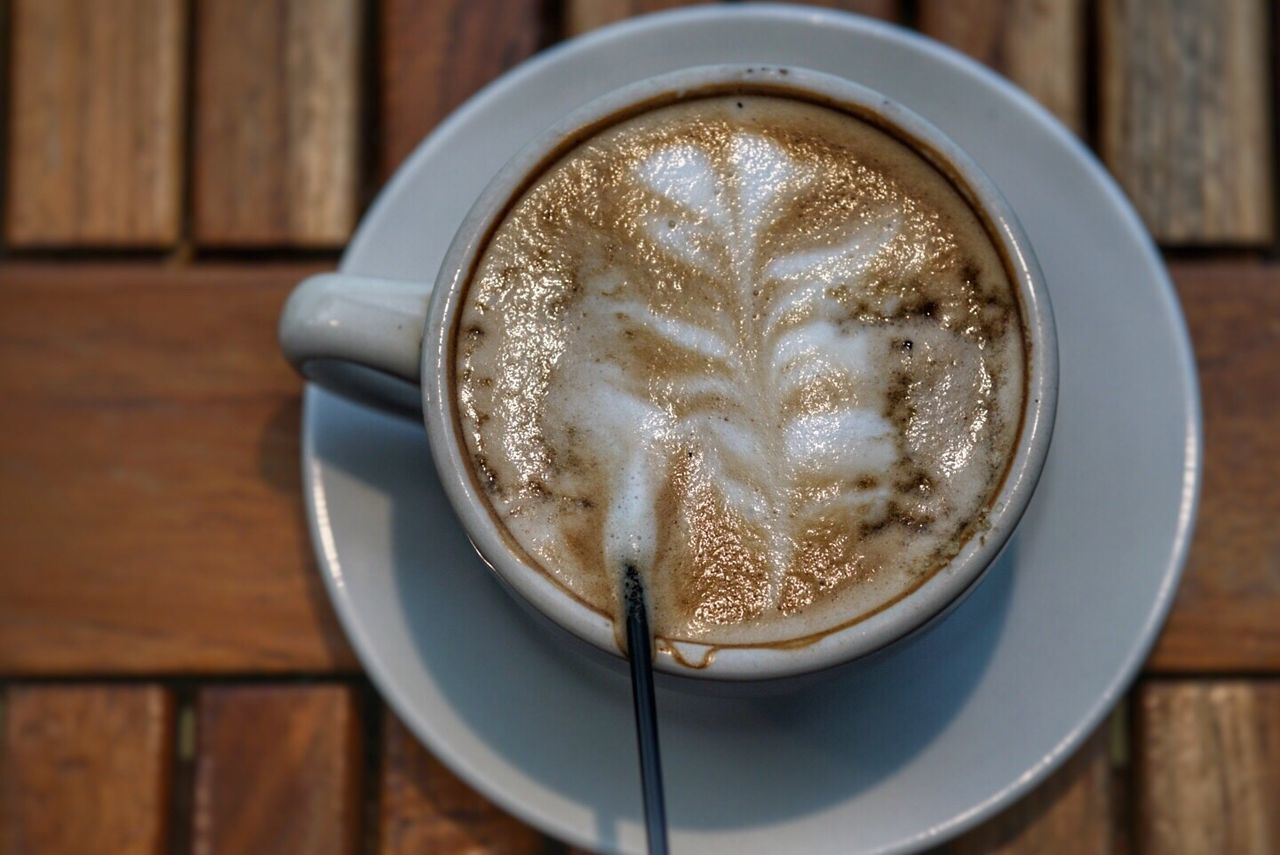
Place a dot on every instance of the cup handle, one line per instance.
(360, 337)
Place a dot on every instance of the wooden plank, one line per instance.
(1209, 767)
(86, 769)
(1038, 44)
(277, 770)
(435, 53)
(888, 10)
(277, 120)
(1225, 616)
(95, 146)
(150, 498)
(426, 808)
(582, 16)
(1186, 116)
(1069, 813)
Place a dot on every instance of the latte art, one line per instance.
(754, 347)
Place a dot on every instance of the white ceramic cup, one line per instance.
(389, 342)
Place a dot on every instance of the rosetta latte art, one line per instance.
(753, 347)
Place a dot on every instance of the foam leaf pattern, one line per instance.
(755, 408)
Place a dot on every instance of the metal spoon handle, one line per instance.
(639, 645)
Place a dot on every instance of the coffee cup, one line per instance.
(895, 460)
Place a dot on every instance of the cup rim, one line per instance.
(908, 613)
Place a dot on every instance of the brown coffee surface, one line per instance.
(753, 346)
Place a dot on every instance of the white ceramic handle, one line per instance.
(358, 336)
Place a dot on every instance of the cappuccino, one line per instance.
(754, 347)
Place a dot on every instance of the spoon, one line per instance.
(639, 651)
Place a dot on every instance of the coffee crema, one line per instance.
(753, 346)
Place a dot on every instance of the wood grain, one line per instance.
(426, 808)
(95, 145)
(1209, 755)
(277, 119)
(1186, 116)
(434, 54)
(150, 499)
(1038, 44)
(277, 770)
(888, 10)
(1227, 613)
(1069, 813)
(85, 769)
(581, 16)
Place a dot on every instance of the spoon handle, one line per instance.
(639, 644)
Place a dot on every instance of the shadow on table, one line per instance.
(278, 469)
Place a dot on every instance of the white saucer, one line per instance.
(890, 755)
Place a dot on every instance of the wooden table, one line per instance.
(173, 676)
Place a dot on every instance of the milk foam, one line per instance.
(753, 347)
